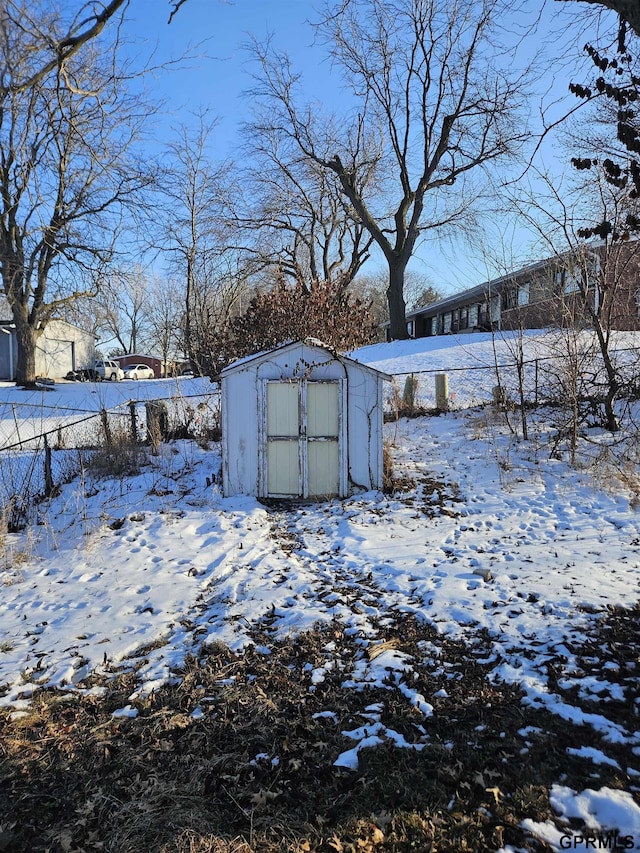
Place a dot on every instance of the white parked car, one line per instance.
(109, 370)
(138, 371)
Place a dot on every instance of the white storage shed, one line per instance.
(301, 421)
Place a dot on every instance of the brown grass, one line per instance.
(392, 481)
(75, 778)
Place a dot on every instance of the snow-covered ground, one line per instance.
(28, 413)
(493, 535)
(474, 363)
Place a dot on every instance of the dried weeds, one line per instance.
(235, 759)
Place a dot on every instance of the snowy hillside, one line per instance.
(481, 350)
(475, 363)
(487, 542)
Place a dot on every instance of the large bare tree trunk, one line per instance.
(27, 338)
(395, 298)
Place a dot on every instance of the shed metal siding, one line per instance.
(243, 400)
(8, 354)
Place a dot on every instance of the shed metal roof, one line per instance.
(258, 357)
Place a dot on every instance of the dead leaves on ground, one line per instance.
(253, 769)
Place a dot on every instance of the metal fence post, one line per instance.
(49, 485)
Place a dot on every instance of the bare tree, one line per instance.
(300, 220)
(628, 10)
(596, 283)
(224, 291)
(52, 54)
(192, 218)
(436, 104)
(175, 4)
(66, 168)
(165, 318)
(419, 291)
(122, 309)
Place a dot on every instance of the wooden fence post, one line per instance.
(106, 428)
(442, 392)
(134, 425)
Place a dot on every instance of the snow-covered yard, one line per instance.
(488, 545)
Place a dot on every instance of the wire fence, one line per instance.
(47, 446)
(39, 461)
(534, 381)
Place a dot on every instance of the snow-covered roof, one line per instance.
(312, 343)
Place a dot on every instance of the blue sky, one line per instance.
(216, 33)
(217, 78)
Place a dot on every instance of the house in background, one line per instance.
(151, 361)
(61, 348)
(540, 295)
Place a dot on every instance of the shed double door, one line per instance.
(303, 449)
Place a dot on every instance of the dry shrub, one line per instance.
(118, 456)
(326, 310)
(387, 468)
(392, 483)
(191, 841)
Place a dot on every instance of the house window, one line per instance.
(563, 281)
(569, 281)
(509, 298)
(494, 309)
(523, 293)
(593, 270)
(560, 281)
(463, 322)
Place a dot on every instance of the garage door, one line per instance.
(54, 358)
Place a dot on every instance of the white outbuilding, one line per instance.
(301, 421)
(60, 348)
